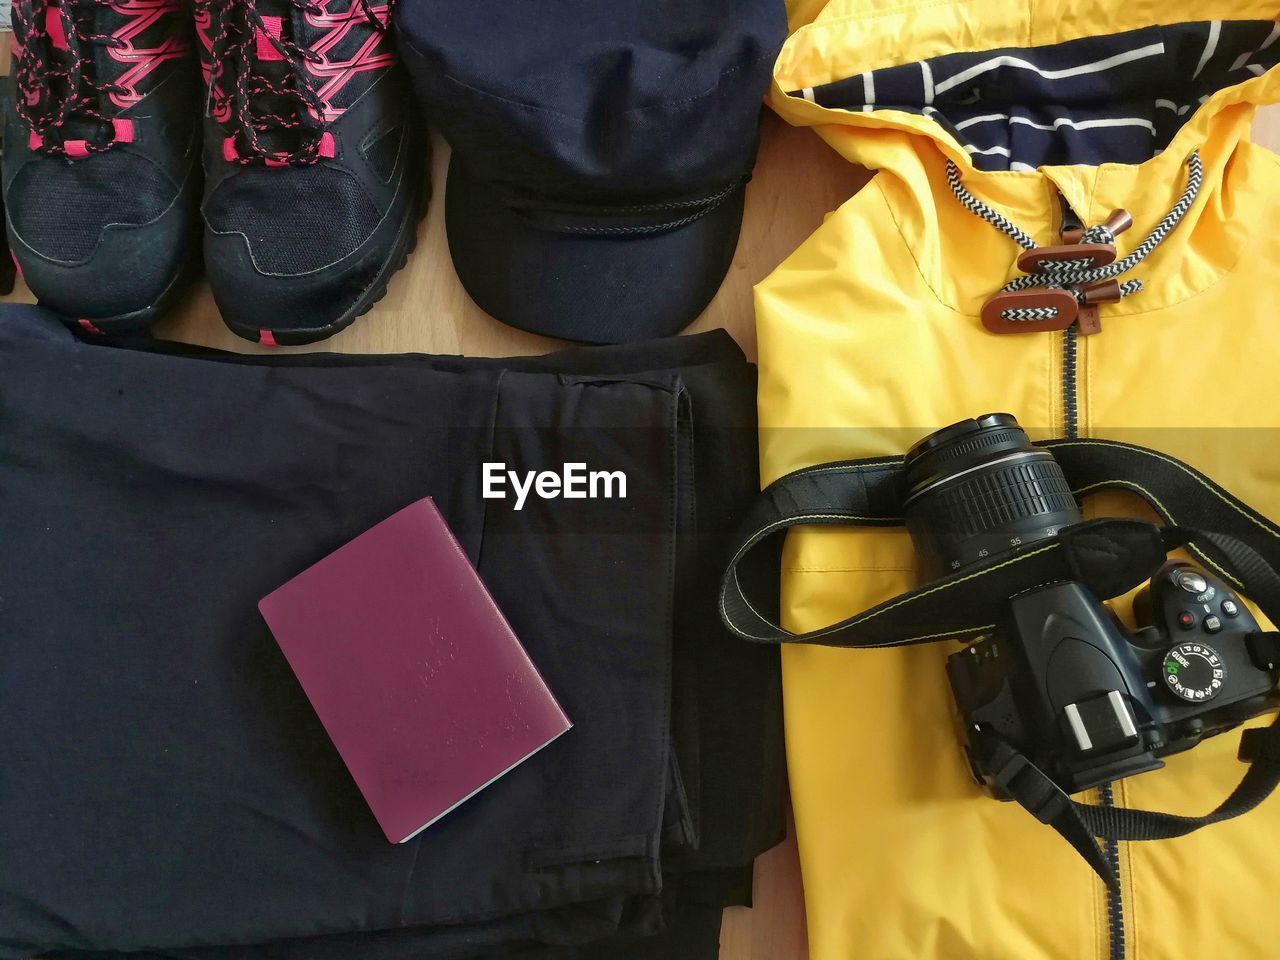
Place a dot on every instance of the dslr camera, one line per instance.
(1060, 678)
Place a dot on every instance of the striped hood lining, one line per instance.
(1119, 98)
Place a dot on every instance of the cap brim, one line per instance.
(589, 289)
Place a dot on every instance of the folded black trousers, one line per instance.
(165, 787)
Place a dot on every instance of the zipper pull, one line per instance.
(1071, 233)
(1072, 228)
(1088, 321)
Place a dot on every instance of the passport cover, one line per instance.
(412, 668)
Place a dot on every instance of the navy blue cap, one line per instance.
(601, 149)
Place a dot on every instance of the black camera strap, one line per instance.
(1079, 823)
(1109, 556)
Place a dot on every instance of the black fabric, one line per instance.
(61, 208)
(167, 788)
(629, 101)
(1110, 98)
(691, 913)
(590, 287)
(1109, 556)
(644, 112)
(312, 217)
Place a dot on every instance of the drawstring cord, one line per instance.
(1077, 274)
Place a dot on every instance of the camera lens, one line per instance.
(978, 488)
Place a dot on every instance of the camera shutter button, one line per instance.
(1191, 582)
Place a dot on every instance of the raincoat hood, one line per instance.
(1100, 102)
(869, 338)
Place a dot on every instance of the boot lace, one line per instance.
(257, 104)
(55, 85)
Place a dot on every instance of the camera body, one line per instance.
(1087, 701)
(1060, 678)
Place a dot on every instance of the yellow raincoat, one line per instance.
(869, 338)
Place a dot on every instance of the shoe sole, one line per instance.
(406, 243)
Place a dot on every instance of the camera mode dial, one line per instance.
(1194, 671)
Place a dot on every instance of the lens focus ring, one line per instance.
(1000, 497)
(979, 488)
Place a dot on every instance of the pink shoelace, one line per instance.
(57, 70)
(262, 83)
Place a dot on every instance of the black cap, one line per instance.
(600, 151)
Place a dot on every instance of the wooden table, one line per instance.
(427, 311)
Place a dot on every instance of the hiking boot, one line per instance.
(101, 173)
(314, 161)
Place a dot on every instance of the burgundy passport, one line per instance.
(413, 670)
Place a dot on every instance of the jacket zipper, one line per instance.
(1115, 899)
(1071, 428)
(1070, 344)
(1070, 403)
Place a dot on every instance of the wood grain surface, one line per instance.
(797, 181)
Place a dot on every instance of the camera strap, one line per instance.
(1109, 556)
(1079, 823)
